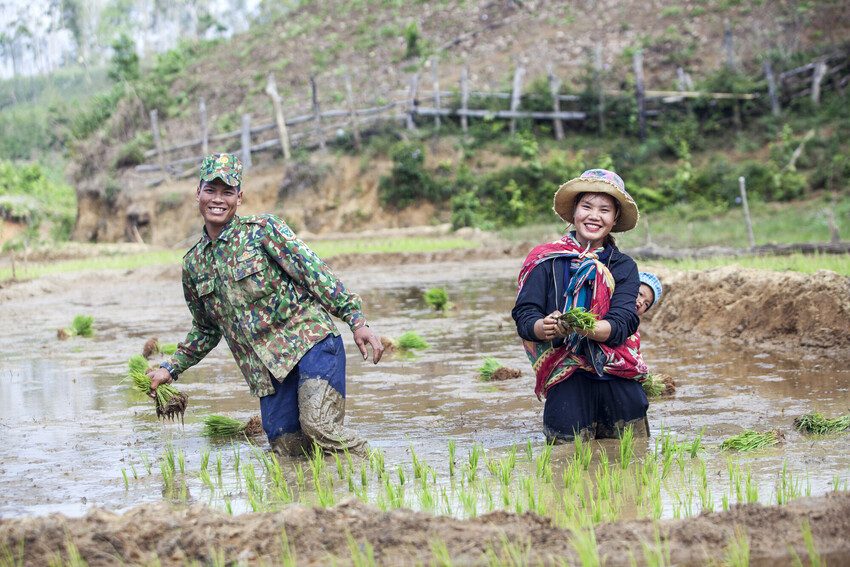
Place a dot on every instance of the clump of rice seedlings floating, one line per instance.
(657, 385)
(751, 440)
(223, 426)
(81, 326)
(437, 298)
(170, 402)
(579, 318)
(493, 370)
(817, 424)
(410, 341)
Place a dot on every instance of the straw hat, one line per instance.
(597, 181)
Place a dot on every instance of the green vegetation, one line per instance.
(219, 426)
(579, 319)
(411, 341)
(168, 348)
(437, 298)
(652, 386)
(486, 370)
(81, 326)
(750, 441)
(168, 400)
(817, 424)
(804, 263)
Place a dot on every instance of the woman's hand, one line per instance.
(550, 327)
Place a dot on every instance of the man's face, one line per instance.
(217, 202)
(644, 299)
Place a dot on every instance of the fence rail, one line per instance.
(407, 109)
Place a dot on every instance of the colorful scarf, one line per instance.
(591, 284)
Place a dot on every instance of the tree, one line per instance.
(124, 65)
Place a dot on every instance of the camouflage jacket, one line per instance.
(267, 293)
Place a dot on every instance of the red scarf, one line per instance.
(553, 365)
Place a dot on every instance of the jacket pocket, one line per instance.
(253, 277)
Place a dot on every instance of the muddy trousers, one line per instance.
(309, 405)
(594, 409)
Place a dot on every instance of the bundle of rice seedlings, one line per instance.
(817, 424)
(170, 402)
(81, 326)
(656, 385)
(223, 426)
(579, 318)
(495, 371)
(168, 348)
(410, 341)
(751, 440)
(389, 345)
(153, 346)
(437, 298)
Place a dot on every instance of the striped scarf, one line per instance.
(591, 286)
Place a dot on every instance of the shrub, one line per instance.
(408, 181)
(411, 40)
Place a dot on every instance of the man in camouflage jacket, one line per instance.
(253, 282)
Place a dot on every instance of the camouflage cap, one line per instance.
(226, 167)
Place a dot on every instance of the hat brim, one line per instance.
(565, 198)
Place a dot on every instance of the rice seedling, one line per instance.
(146, 462)
(656, 385)
(126, 480)
(9, 558)
(169, 401)
(510, 554)
(472, 462)
(440, 554)
(437, 298)
(401, 478)
(750, 441)
(579, 319)
(738, 549)
(362, 555)
(583, 452)
(627, 447)
(411, 341)
(287, 554)
(787, 487)
(133, 470)
(543, 463)
(221, 426)
(81, 326)
(817, 424)
(168, 348)
(658, 553)
(181, 461)
(493, 370)
(584, 542)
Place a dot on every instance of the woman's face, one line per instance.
(594, 218)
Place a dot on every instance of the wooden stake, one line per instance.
(727, 45)
(640, 93)
(412, 102)
(436, 83)
(157, 140)
(205, 133)
(516, 94)
(600, 92)
(352, 115)
(817, 77)
(742, 186)
(317, 114)
(282, 132)
(775, 109)
(246, 141)
(464, 97)
(555, 90)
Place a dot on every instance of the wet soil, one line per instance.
(177, 535)
(71, 426)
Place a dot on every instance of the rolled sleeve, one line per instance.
(203, 336)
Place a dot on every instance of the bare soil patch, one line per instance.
(176, 535)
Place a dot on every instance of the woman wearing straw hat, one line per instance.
(589, 379)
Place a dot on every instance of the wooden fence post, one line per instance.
(157, 140)
(727, 45)
(282, 132)
(555, 89)
(205, 132)
(640, 94)
(516, 93)
(464, 98)
(246, 140)
(817, 77)
(742, 186)
(317, 113)
(412, 103)
(600, 91)
(436, 84)
(352, 115)
(775, 109)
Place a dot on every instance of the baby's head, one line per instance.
(649, 292)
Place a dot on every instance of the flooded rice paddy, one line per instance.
(74, 436)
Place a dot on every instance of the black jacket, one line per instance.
(539, 296)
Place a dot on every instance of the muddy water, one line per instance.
(70, 427)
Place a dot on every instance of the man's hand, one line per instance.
(363, 336)
(550, 327)
(158, 376)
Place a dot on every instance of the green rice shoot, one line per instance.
(411, 341)
(652, 386)
(437, 298)
(488, 368)
(137, 363)
(222, 426)
(817, 424)
(579, 318)
(142, 382)
(168, 348)
(750, 441)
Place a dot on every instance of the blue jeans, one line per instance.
(324, 361)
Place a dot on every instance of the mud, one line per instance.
(318, 536)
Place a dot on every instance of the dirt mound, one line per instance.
(179, 535)
(758, 307)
